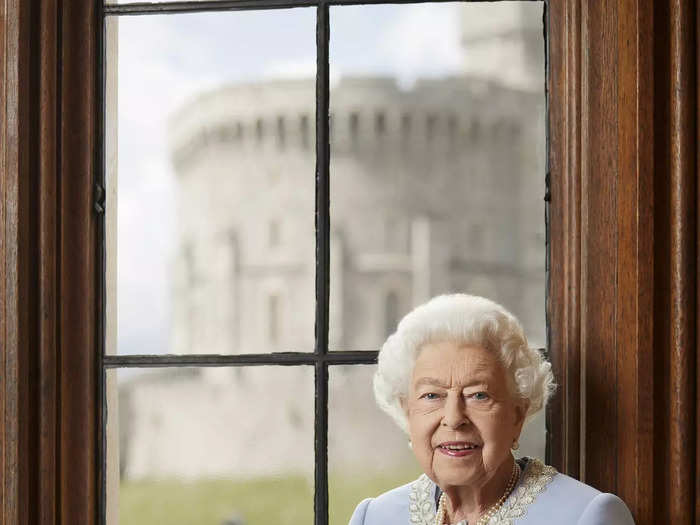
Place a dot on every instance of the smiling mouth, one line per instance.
(458, 449)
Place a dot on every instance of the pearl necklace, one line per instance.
(483, 520)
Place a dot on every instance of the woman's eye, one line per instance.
(480, 396)
(429, 395)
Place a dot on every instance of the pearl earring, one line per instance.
(515, 445)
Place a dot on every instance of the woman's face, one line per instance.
(462, 415)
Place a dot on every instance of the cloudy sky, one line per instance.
(164, 60)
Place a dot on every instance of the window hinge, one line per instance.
(99, 198)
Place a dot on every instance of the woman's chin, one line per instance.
(452, 478)
(457, 470)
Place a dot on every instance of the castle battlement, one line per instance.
(436, 117)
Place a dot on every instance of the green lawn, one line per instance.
(281, 501)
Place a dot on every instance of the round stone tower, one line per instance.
(432, 190)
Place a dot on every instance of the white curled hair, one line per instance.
(465, 319)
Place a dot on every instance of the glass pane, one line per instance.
(367, 453)
(213, 446)
(215, 181)
(437, 162)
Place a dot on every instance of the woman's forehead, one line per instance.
(449, 358)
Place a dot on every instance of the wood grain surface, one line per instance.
(47, 262)
(625, 266)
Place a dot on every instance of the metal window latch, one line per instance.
(99, 198)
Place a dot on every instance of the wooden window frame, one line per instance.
(622, 255)
(48, 323)
(623, 258)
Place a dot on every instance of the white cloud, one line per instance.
(423, 41)
(404, 41)
(305, 68)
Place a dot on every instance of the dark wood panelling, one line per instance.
(572, 218)
(4, 482)
(634, 269)
(47, 276)
(636, 294)
(599, 142)
(77, 260)
(556, 84)
(697, 262)
(47, 263)
(683, 258)
(564, 239)
(661, 246)
(15, 340)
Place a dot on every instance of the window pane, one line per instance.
(209, 445)
(437, 162)
(215, 181)
(367, 453)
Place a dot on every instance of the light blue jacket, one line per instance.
(542, 496)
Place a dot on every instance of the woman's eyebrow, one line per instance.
(477, 382)
(431, 382)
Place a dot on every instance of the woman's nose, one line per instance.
(454, 415)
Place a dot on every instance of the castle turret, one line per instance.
(425, 198)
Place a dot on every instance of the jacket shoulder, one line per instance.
(567, 500)
(606, 509)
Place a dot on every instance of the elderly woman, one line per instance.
(460, 379)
